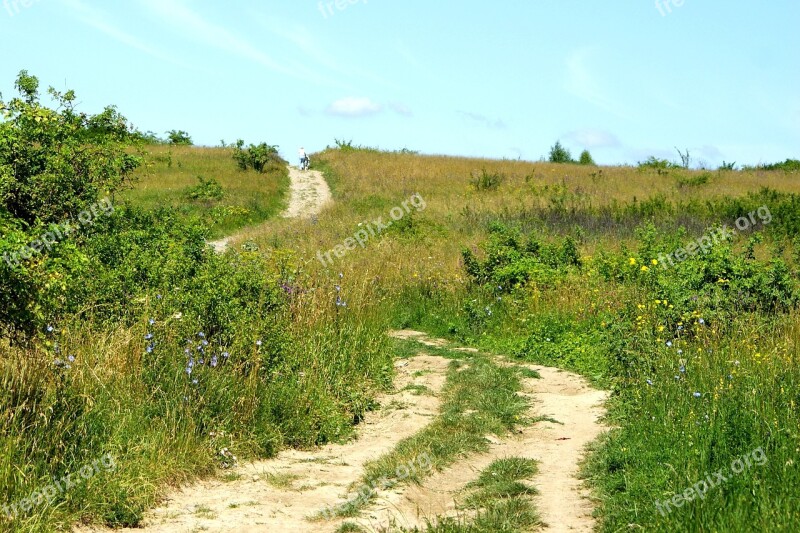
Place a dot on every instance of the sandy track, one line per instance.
(316, 479)
(563, 502)
(308, 195)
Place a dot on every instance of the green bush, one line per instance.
(261, 158)
(586, 159)
(206, 190)
(179, 137)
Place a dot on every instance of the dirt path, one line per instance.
(308, 195)
(563, 503)
(285, 493)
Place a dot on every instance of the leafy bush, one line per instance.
(790, 165)
(207, 190)
(54, 164)
(693, 181)
(559, 154)
(179, 137)
(586, 159)
(487, 181)
(261, 158)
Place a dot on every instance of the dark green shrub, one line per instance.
(207, 190)
(261, 158)
(559, 154)
(586, 159)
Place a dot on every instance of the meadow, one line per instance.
(136, 351)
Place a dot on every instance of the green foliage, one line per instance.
(510, 263)
(790, 165)
(693, 181)
(206, 190)
(261, 158)
(560, 154)
(727, 166)
(179, 137)
(586, 158)
(487, 181)
(54, 166)
(661, 165)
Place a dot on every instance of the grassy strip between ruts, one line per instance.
(480, 398)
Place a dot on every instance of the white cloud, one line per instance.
(353, 107)
(484, 120)
(593, 138)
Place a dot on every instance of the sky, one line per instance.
(625, 79)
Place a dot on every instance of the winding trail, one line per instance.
(288, 492)
(308, 195)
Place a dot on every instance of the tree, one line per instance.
(559, 154)
(586, 158)
(179, 137)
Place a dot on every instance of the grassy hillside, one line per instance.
(568, 266)
(168, 354)
(243, 198)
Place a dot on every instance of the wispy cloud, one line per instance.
(353, 107)
(482, 120)
(401, 109)
(178, 14)
(581, 82)
(99, 21)
(593, 138)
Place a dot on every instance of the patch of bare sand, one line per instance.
(281, 494)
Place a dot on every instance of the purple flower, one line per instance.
(149, 348)
(151, 321)
(682, 369)
(201, 335)
(225, 355)
(71, 358)
(194, 382)
(148, 336)
(213, 361)
(649, 382)
(158, 296)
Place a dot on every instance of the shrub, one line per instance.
(586, 159)
(179, 137)
(207, 190)
(261, 158)
(487, 181)
(559, 154)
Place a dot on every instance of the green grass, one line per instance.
(249, 198)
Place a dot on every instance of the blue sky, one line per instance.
(624, 78)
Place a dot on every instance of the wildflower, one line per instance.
(337, 287)
(201, 362)
(214, 361)
(148, 336)
(194, 381)
(645, 268)
(258, 342)
(50, 329)
(701, 321)
(158, 296)
(632, 260)
(151, 321)
(204, 343)
(201, 335)
(488, 311)
(669, 344)
(680, 351)
(341, 275)
(150, 348)
(654, 261)
(340, 302)
(697, 395)
(225, 355)
(649, 382)
(682, 369)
